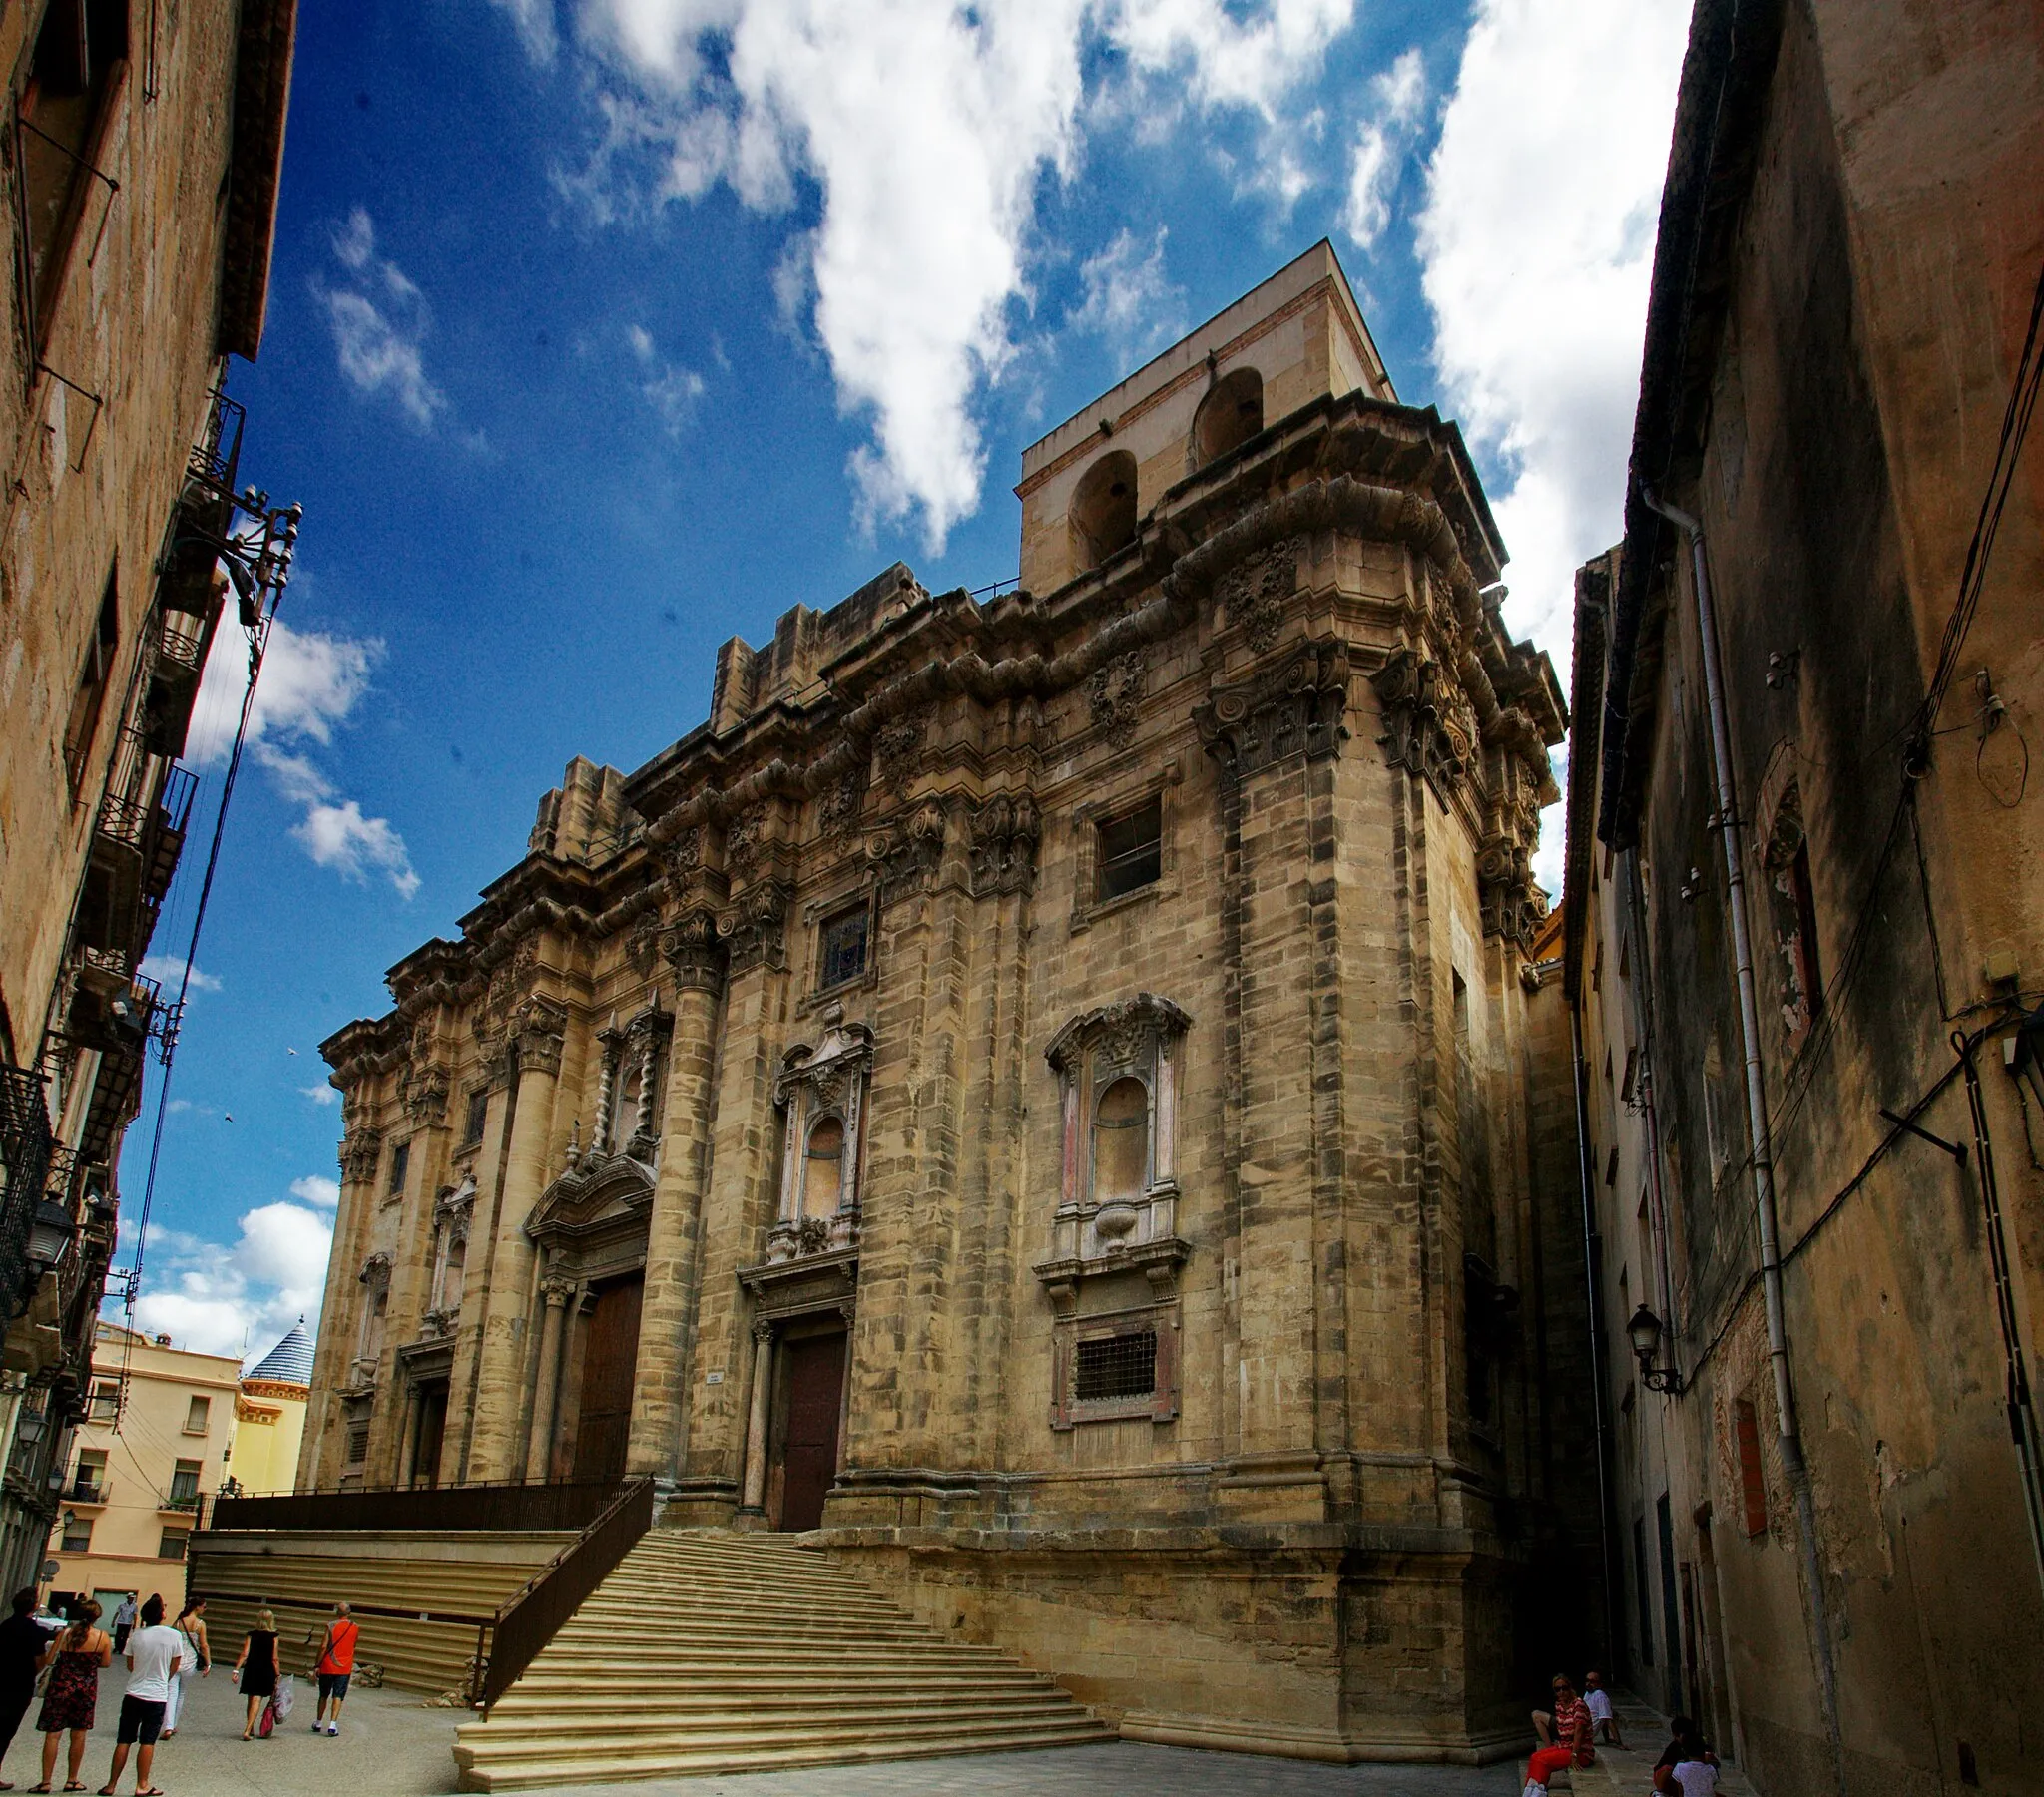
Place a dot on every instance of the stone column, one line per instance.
(501, 1382)
(674, 1231)
(538, 1460)
(753, 1506)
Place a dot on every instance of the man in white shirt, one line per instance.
(154, 1655)
(1603, 1718)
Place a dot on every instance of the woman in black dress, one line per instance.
(74, 1658)
(258, 1667)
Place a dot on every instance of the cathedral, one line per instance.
(1044, 1091)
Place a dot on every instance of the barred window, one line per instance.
(358, 1449)
(1116, 1366)
(1131, 850)
(843, 948)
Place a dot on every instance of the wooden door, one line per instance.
(433, 1431)
(815, 1393)
(604, 1420)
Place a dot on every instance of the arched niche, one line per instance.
(1230, 415)
(1103, 513)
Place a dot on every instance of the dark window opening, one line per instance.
(172, 1545)
(1230, 415)
(93, 676)
(77, 1534)
(77, 53)
(1116, 1366)
(400, 1164)
(355, 1446)
(1752, 1481)
(1104, 508)
(1805, 933)
(1132, 850)
(478, 1115)
(842, 946)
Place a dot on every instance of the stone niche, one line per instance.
(821, 1089)
(1112, 1275)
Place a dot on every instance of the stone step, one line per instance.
(585, 1696)
(522, 1773)
(631, 1602)
(756, 1722)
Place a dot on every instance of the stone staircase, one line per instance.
(708, 1652)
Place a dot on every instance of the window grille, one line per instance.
(1131, 850)
(1116, 1366)
(358, 1449)
(843, 947)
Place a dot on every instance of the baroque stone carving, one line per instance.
(1114, 695)
(360, 1152)
(1005, 833)
(536, 1031)
(1294, 709)
(1429, 727)
(683, 854)
(423, 1091)
(838, 811)
(642, 946)
(903, 857)
(745, 838)
(815, 1086)
(1255, 590)
(898, 747)
(753, 930)
(695, 952)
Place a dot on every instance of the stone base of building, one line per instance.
(1333, 1642)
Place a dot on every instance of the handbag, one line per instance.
(265, 1724)
(283, 1699)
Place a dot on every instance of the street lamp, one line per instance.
(49, 1237)
(2024, 1054)
(1644, 1331)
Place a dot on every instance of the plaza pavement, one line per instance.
(393, 1746)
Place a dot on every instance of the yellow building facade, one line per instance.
(270, 1418)
(146, 1461)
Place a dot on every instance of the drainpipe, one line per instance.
(1793, 1462)
(1607, 1539)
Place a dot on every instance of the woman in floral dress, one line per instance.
(74, 1659)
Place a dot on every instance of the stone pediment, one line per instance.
(599, 1193)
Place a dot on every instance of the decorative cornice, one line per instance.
(1116, 1026)
(752, 931)
(903, 856)
(696, 952)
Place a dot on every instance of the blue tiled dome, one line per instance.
(291, 1361)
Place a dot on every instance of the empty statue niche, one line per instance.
(1104, 508)
(1230, 415)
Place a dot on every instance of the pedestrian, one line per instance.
(124, 1622)
(1603, 1718)
(336, 1666)
(198, 1661)
(153, 1661)
(70, 1695)
(1564, 1733)
(1687, 1765)
(258, 1668)
(22, 1641)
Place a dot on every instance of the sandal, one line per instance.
(74, 1785)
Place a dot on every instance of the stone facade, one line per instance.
(140, 192)
(1818, 1504)
(1039, 1087)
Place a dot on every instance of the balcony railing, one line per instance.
(87, 1491)
(183, 1504)
(25, 1148)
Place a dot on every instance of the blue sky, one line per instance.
(601, 332)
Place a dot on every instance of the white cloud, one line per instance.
(239, 1300)
(1397, 95)
(926, 127)
(1130, 300)
(671, 391)
(340, 837)
(317, 1189)
(168, 970)
(322, 1095)
(379, 324)
(535, 22)
(1536, 248)
(310, 685)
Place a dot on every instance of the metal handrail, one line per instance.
(533, 1615)
(436, 1508)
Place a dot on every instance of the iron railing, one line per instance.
(533, 1615)
(25, 1147)
(436, 1508)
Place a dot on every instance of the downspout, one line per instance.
(1793, 1462)
(1607, 1539)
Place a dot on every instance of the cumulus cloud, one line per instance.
(311, 683)
(167, 971)
(215, 1299)
(1381, 144)
(379, 320)
(925, 128)
(322, 1095)
(317, 1189)
(1536, 248)
(1129, 301)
